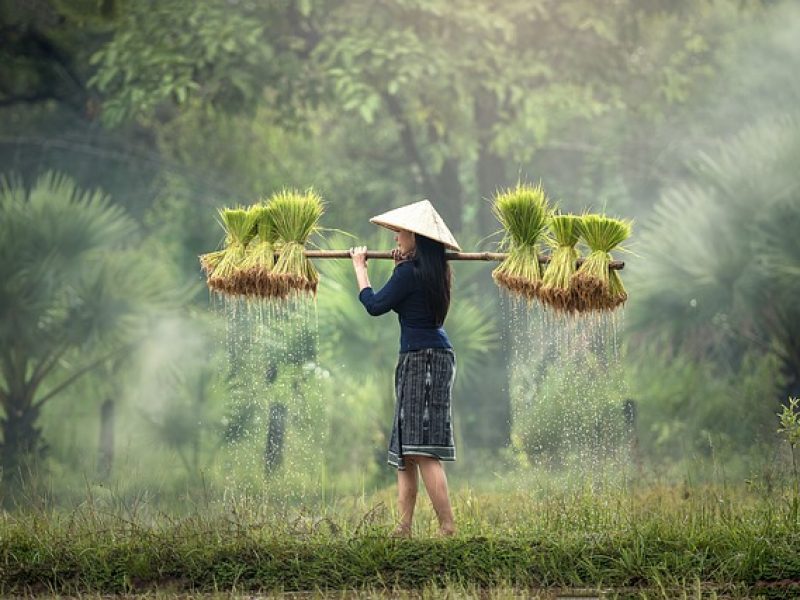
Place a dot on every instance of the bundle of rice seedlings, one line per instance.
(556, 289)
(239, 225)
(295, 216)
(596, 286)
(524, 213)
(254, 275)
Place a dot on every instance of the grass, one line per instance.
(665, 541)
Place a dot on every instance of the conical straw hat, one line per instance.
(419, 217)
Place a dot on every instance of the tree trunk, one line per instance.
(630, 414)
(490, 169)
(105, 458)
(276, 432)
(452, 195)
(21, 442)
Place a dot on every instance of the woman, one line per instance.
(419, 292)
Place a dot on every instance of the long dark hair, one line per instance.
(432, 270)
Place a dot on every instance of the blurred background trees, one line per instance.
(680, 114)
(73, 298)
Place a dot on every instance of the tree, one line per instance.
(72, 297)
(720, 259)
(45, 49)
(469, 91)
(717, 293)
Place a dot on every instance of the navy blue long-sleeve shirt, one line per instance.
(404, 295)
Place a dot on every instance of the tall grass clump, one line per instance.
(524, 214)
(221, 266)
(295, 217)
(556, 290)
(596, 286)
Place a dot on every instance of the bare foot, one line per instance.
(401, 531)
(448, 531)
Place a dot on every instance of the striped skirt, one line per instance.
(423, 383)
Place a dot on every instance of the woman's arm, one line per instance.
(390, 295)
(359, 254)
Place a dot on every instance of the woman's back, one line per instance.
(405, 295)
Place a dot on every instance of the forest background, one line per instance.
(125, 124)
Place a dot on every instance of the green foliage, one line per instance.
(790, 422)
(181, 395)
(178, 52)
(346, 331)
(790, 428)
(67, 278)
(692, 407)
(568, 410)
(716, 293)
(216, 103)
(462, 92)
(708, 290)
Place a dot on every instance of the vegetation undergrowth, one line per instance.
(661, 538)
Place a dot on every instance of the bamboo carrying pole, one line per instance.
(617, 265)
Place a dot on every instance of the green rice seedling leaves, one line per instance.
(556, 290)
(524, 213)
(295, 216)
(596, 286)
(239, 225)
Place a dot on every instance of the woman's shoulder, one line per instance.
(405, 264)
(404, 271)
(402, 268)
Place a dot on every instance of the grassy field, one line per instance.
(661, 542)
